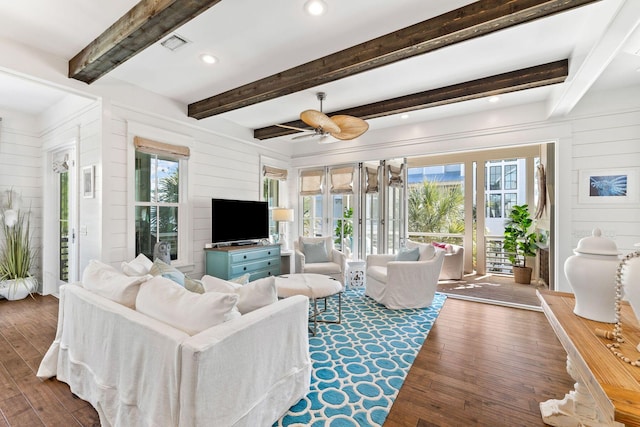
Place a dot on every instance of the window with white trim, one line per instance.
(160, 195)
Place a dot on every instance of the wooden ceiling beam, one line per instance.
(527, 78)
(474, 20)
(146, 23)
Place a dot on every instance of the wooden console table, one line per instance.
(607, 390)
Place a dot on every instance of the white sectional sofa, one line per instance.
(138, 371)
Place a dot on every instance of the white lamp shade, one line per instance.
(283, 214)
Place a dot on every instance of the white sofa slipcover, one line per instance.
(137, 371)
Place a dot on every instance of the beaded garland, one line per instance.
(617, 329)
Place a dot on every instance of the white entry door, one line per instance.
(60, 259)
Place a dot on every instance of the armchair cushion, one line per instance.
(408, 254)
(327, 240)
(316, 252)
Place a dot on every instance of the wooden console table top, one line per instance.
(614, 384)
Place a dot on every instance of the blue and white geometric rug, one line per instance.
(360, 364)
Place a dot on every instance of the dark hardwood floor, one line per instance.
(482, 365)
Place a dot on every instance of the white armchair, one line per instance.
(453, 266)
(317, 255)
(404, 284)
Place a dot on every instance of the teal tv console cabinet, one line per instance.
(229, 262)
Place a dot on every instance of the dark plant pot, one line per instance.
(522, 275)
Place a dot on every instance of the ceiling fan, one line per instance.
(340, 126)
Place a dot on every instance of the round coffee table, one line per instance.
(313, 286)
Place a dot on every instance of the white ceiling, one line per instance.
(254, 39)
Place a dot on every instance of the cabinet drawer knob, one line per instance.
(245, 257)
(269, 263)
(244, 268)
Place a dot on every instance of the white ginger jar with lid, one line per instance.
(592, 275)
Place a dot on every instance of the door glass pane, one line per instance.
(371, 222)
(343, 222)
(394, 219)
(436, 204)
(312, 215)
(64, 226)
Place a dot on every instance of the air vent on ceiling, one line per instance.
(174, 42)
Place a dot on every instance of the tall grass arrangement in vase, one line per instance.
(16, 255)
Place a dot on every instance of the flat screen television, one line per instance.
(238, 221)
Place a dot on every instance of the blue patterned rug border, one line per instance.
(360, 364)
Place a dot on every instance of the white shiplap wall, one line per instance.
(606, 141)
(219, 166)
(20, 170)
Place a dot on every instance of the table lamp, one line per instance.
(282, 216)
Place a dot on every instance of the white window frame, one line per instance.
(185, 229)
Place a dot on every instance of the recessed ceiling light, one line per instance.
(208, 58)
(494, 99)
(315, 7)
(404, 116)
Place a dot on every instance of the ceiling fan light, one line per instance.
(315, 7)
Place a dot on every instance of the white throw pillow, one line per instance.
(216, 284)
(253, 295)
(256, 294)
(170, 303)
(108, 282)
(140, 266)
(427, 251)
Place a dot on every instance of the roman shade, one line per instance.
(311, 182)
(395, 175)
(342, 180)
(371, 176)
(150, 146)
(274, 173)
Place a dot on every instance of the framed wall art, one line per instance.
(88, 182)
(609, 186)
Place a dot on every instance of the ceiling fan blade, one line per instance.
(318, 119)
(308, 135)
(350, 127)
(295, 128)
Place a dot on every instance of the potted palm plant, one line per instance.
(520, 242)
(16, 256)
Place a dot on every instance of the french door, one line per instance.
(60, 239)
